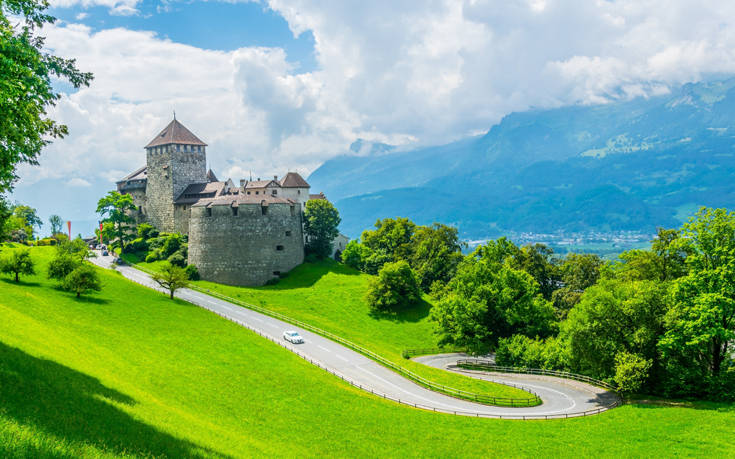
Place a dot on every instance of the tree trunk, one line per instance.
(17, 279)
(172, 294)
(716, 357)
(78, 294)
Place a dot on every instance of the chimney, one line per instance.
(275, 177)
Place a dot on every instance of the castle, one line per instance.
(241, 235)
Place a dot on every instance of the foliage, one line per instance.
(18, 262)
(631, 372)
(615, 316)
(663, 262)
(177, 259)
(137, 245)
(29, 216)
(192, 272)
(147, 231)
(522, 351)
(488, 300)
(76, 248)
(114, 208)
(62, 265)
(143, 376)
(578, 272)
(171, 278)
(393, 289)
(55, 223)
(82, 280)
(538, 261)
(354, 255)
(27, 92)
(700, 335)
(388, 242)
(435, 253)
(5, 214)
(321, 220)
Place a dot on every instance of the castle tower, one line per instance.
(175, 159)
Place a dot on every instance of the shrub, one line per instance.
(137, 245)
(631, 372)
(82, 279)
(62, 265)
(192, 272)
(394, 288)
(146, 231)
(177, 259)
(17, 263)
(153, 256)
(171, 245)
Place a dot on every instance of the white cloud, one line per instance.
(117, 7)
(79, 182)
(393, 72)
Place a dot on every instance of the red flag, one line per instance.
(68, 225)
(100, 232)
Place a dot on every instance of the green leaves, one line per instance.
(26, 91)
(321, 220)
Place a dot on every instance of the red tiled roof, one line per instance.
(175, 132)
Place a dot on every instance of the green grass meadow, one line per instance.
(126, 372)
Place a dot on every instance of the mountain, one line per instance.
(621, 166)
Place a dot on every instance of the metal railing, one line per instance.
(487, 365)
(408, 353)
(534, 400)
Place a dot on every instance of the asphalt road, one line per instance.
(558, 398)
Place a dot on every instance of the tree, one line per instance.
(578, 272)
(28, 215)
(81, 280)
(321, 220)
(171, 278)
(56, 223)
(388, 242)
(538, 261)
(394, 288)
(663, 262)
(631, 372)
(701, 322)
(486, 301)
(62, 265)
(5, 214)
(27, 91)
(114, 209)
(17, 263)
(435, 253)
(355, 255)
(616, 316)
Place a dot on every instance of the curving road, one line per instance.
(559, 399)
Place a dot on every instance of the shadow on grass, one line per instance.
(308, 274)
(20, 283)
(78, 408)
(723, 407)
(413, 313)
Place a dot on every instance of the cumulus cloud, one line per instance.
(117, 7)
(79, 182)
(402, 73)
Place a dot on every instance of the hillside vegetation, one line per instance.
(127, 372)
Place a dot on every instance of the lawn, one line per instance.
(331, 296)
(128, 372)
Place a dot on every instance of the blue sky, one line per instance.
(284, 85)
(208, 25)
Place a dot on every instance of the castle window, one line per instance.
(264, 210)
(275, 192)
(298, 191)
(234, 211)
(248, 192)
(257, 192)
(279, 248)
(288, 233)
(209, 211)
(293, 211)
(276, 273)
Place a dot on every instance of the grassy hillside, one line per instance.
(331, 296)
(127, 372)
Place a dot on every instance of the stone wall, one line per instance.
(181, 218)
(169, 173)
(248, 248)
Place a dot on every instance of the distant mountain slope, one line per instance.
(621, 166)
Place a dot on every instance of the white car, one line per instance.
(292, 337)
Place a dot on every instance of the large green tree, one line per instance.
(115, 209)
(390, 241)
(26, 90)
(321, 223)
(81, 280)
(28, 215)
(434, 254)
(486, 301)
(171, 278)
(701, 324)
(18, 262)
(394, 288)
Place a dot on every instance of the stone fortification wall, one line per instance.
(248, 248)
(181, 218)
(169, 173)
